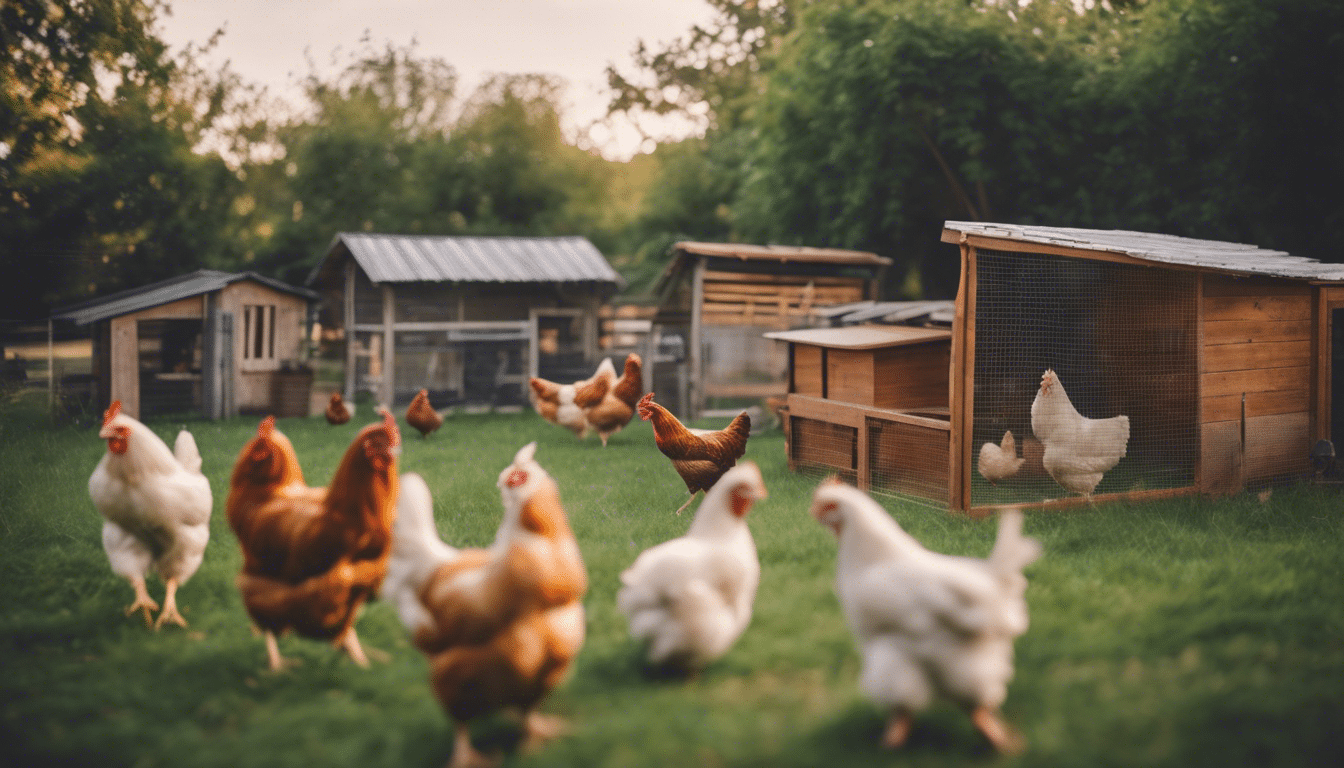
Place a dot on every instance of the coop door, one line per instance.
(170, 354)
(559, 343)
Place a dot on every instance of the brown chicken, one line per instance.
(421, 415)
(313, 556)
(699, 456)
(564, 404)
(337, 412)
(500, 626)
(617, 407)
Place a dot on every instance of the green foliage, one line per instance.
(1182, 633)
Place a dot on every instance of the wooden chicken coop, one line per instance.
(1223, 356)
(716, 299)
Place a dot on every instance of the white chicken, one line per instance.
(999, 462)
(928, 624)
(690, 598)
(156, 507)
(1078, 450)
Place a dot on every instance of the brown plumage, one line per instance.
(700, 459)
(337, 413)
(564, 404)
(500, 626)
(421, 415)
(614, 411)
(312, 556)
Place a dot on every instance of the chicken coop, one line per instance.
(1224, 358)
(715, 300)
(208, 344)
(469, 319)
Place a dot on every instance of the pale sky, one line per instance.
(270, 41)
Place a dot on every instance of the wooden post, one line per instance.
(957, 379)
(350, 340)
(696, 390)
(389, 334)
(125, 365)
(51, 371)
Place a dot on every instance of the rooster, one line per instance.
(999, 462)
(500, 626)
(313, 556)
(927, 624)
(699, 456)
(1078, 450)
(617, 407)
(421, 415)
(155, 505)
(564, 404)
(337, 412)
(690, 598)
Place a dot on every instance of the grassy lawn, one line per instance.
(1183, 633)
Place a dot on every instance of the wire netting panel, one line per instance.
(822, 448)
(909, 460)
(1123, 340)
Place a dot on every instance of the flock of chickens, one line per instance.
(501, 625)
(1076, 451)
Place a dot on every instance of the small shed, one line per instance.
(1223, 356)
(208, 343)
(468, 318)
(718, 299)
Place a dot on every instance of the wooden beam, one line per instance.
(349, 323)
(389, 337)
(696, 384)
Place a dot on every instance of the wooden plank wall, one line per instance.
(1257, 366)
(778, 301)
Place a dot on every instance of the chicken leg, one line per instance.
(170, 612)
(277, 662)
(898, 729)
(540, 729)
(999, 733)
(143, 602)
(688, 502)
(465, 755)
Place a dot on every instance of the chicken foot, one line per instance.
(999, 733)
(170, 612)
(467, 756)
(143, 602)
(349, 642)
(898, 729)
(688, 502)
(277, 662)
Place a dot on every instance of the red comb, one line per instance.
(111, 412)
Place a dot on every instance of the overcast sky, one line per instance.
(270, 41)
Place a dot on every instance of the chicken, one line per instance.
(617, 407)
(337, 412)
(999, 462)
(421, 415)
(699, 456)
(1078, 450)
(928, 625)
(500, 626)
(690, 598)
(564, 404)
(313, 556)
(155, 505)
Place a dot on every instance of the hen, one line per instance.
(421, 415)
(699, 456)
(564, 404)
(617, 407)
(999, 462)
(927, 624)
(155, 505)
(313, 556)
(690, 598)
(337, 412)
(500, 626)
(1078, 450)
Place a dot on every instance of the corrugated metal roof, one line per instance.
(431, 258)
(783, 253)
(862, 336)
(1168, 249)
(167, 291)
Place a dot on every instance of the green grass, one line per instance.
(1184, 633)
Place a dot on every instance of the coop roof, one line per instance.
(1217, 255)
(783, 253)
(862, 336)
(436, 258)
(197, 283)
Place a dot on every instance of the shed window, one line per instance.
(259, 332)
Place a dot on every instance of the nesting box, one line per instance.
(1221, 355)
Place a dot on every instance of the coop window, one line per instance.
(258, 332)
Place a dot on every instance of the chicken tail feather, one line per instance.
(1012, 551)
